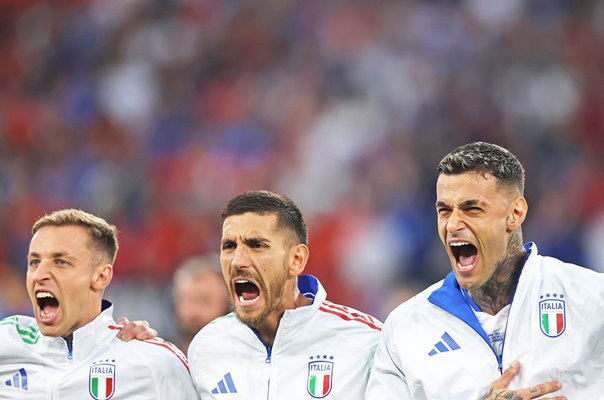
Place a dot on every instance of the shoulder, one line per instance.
(348, 327)
(555, 269)
(217, 331)
(157, 353)
(417, 307)
(348, 318)
(20, 328)
(219, 327)
(219, 336)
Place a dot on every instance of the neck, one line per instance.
(497, 292)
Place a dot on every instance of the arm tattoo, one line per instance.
(499, 289)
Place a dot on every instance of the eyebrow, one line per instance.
(255, 239)
(57, 254)
(466, 203)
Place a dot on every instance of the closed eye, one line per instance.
(228, 244)
(256, 243)
(443, 211)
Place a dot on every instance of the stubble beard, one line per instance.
(273, 298)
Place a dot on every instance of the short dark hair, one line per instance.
(265, 202)
(103, 234)
(484, 158)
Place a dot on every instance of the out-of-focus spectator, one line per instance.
(199, 295)
(13, 295)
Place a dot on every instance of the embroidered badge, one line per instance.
(320, 376)
(101, 381)
(552, 314)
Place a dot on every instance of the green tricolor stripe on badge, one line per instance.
(95, 387)
(552, 323)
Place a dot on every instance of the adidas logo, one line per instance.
(441, 346)
(19, 380)
(225, 385)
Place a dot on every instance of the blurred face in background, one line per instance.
(66, 278)
(199, 298)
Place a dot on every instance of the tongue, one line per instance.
(250, 291)
(467, 255)
(249, 295)
(50, 307)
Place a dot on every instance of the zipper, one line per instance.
(483, 334)
(267, 360)
(69, 344)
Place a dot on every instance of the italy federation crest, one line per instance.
(101, 381)
(320, 376)
(552, 314)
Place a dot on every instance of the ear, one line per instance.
(101, 277)
(298, 259)
(517, 214)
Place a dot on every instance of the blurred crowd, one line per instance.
(153, 113)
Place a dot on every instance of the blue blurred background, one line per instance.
(153, 113)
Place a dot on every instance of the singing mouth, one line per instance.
(465, 254)
(47, 304)
(247, 291)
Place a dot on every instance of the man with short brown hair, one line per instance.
(70, 350)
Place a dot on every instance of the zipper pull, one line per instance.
(69, 349)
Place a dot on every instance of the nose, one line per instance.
(41, 272)
(241, 257)
(455, 222)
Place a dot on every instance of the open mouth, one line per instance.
(465, 255)
(48, 305)
(247, 292)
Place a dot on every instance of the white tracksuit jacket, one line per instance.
(98, 365)
(321, 351)
(433, 347)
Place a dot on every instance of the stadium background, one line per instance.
(153, 113)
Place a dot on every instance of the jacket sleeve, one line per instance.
(171, 375)
(387, 380)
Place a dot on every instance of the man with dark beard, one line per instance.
(284, 340)
(503, 306)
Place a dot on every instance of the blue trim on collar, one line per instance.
(308, 285)
(105, 304)
(449, 298)
(469, 300)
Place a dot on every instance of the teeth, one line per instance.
(41, 295)
(242, 300)
(46, 315)
(241, 281)
(459, 244)
(466, 267)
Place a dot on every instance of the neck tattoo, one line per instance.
(497, 292)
